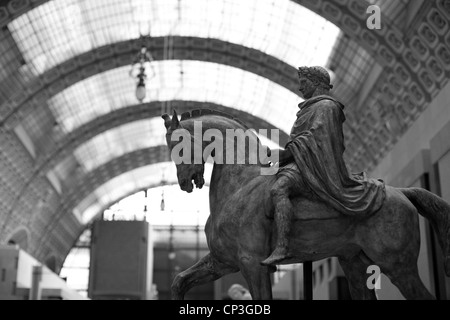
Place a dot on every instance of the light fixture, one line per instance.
(163, 182)
(163, 203)
(172, 254)
(139, 68)
(140, 88)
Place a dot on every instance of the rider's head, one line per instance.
(314, 80)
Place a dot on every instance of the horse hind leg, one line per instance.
(403, 272)
(204, 271)
(410, 284)
(257, 277)
(355, 270)
(401, 268)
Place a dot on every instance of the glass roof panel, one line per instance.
(176, 80)
(126, 184)
(59, 30)
(124, 139)
(121, 140)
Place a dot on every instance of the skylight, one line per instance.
(60, 30)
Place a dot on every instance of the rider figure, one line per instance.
(313, 162)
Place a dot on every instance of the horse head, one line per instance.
(181, 150)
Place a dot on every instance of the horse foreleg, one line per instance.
(204, 271)
(257, 277)
(355, 270)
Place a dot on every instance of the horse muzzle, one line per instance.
(188, 186)
(199, 181)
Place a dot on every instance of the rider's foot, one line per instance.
(278, 256)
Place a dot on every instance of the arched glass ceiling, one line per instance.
(59, 30)
(114, 143)
(126, 184)
(121, 140)
(176, 80)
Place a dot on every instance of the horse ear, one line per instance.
(167, 120)
(175, 122)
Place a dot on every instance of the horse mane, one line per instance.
(205, 112)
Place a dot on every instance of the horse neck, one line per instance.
(226, 180)
(231, 177)
(224, 126)
(226, 177)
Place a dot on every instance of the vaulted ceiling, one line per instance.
(74, 139)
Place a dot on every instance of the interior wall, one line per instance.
(425, 150)
(417, 138)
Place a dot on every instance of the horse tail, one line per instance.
(437, 211)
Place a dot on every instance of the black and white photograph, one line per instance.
(235, 154)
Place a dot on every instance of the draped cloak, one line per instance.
(317, 145)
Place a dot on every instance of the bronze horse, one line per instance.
(240, 229)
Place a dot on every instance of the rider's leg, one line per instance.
(280, 193)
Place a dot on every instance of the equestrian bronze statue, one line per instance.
(310, 209)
